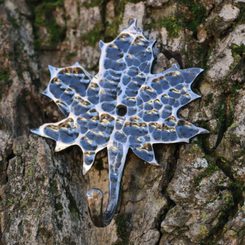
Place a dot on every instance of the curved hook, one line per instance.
(95, 195)
(95, 202)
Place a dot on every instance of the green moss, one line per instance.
(212, 167)
(195, 15)
(45, 8)
(202, 54)
(237, 188)
(44, 16)
(92, 3)
(4, 75)
(75, 213)
(30, 171)
(235, 89)
(203, 231)
(53, 186)
(228, 200)
(13, 22)
(241, 17)
(71, 55)
(225, 112)
(196, 54)
(209, 242)
(209, 100)
(5, 81)
(190, 14)
(123, 229)
(58, 206)
(238, 50)
(106, 31)
(92, 37)
(120, 6)
(132, 1)
(10, 201)
(170, 23)
(112, 29)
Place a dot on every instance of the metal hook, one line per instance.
(95, 198)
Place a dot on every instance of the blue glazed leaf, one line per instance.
(124, 105)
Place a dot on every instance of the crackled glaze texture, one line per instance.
(123, 106)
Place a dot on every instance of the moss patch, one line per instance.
(237, 188)
(4, 75)
(105, 30)
(224, 114)
(238, 50)
(111, 30)
(123, 229)
(13, 22)
(198, 56)
(5, 81)
(212, 167)
(241, 17)
(170, 23)
(189, 15)
(53, 186)
(92, 3)
(71, 55)
(210, 99)
(93, 36)
(74, 210)
(58, 208)
(44, 16)
(192, 14)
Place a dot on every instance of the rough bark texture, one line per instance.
(195, 197)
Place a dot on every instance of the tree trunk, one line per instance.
(195, 196)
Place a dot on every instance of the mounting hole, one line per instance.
(121, 110)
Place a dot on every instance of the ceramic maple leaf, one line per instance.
(123, 106)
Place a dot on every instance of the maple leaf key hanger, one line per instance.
(123, 106)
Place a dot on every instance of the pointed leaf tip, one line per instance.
(195, 96)
(76, 64)
(132, 27)
(203, 131)
(86, 168)
(196, 70)
(132, 22)
(88, 160)
(35, 131)
(152, 42)
(53, 71)
(60, 146)
(154, 162)
(52, 68)
(45, 92)
(101, 44)
(176, 66)
(190, 74)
